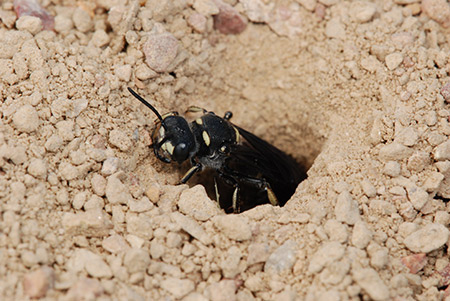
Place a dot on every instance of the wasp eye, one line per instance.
(181, 152)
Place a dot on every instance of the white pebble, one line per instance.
(93, 223)
(98, 184)
(371, 283)
(67, 171)
(417, 196)
(120, 140)
(195, 203)
(393, 60)
(361, 235)
(191, 227)
(442, 151)
(346, 209)
(26, 119)
(29, 23)
(178, 287)
(394, 151)
(392, 169)
(123, 72)
(362, 11)
(100, 38)
(327, 253)
(336, 231)
(136, 260)
(37, 283)
(283, 258)
(429, 238)
(37, 168)
(110, 166)
(53, 143)
(407, 136)
(160, 51)
(233, 226)
(335, 29)
(116, 192)
(82, 20)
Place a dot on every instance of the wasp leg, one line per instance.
(235, 199)
(228, 115)
(261, 183)
(195, 109)
(216, 188)
(197, 167)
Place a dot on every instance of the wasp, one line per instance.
(242, 161)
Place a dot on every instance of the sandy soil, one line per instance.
(356, 90)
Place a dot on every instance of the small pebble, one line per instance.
(230, 265)
(119, 139)
(136, 260)
(29, 23)
(123, 73)
(92, 223)
(415, 262)
(257, 252)
(115, 244)
(85, 289)
(346, 209)
(141, 205)
(283, 258)
(394, 151)
(336, 231)
(82, 20)
(393, 60)
(140, 226)
(100, 38)
(361, 235)
(418, 161)
(197, 22)
(195, 203)
(335, 29)
(53, 143)
(116, 192)
(222, 290)
(206, 7)
(95, 266)
(191, 227)
(26, 119)
(417, 196)
(407, 136)
(427, 239)
(438, 10)
(160, 51)
(67, 171)
(37, 283)
(178, 287)
(37, 168)
(392, 169)
(33, 8)
(228, 20)
(371, 283)
(98, 184)
(445, 92)
(362, 11)
(327, 253)
(442, 151)
(234, 227)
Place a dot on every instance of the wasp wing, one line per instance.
(253, 157)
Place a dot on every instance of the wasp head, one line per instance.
(172, 137)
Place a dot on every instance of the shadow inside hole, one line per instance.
(249, 196)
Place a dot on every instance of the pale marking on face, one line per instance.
(199, 121)
(168, 147)
(206, 138)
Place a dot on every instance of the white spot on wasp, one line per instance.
(168, 147)
(206, 138)
(199, 121)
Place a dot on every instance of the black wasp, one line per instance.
(255, 171)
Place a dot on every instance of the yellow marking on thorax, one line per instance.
(206, 138)
(199, 121)
(238, 136)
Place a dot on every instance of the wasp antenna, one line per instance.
(147, 104)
